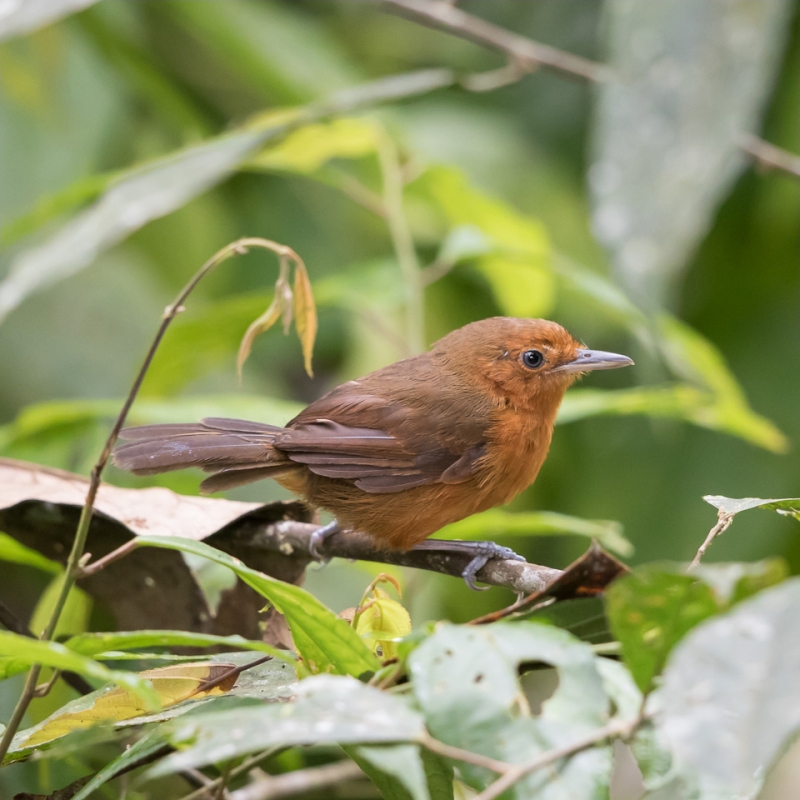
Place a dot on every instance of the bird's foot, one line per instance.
(481, 552)
(319, 537)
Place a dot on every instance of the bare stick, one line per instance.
(73, 566)
(614, 730)
(298, 782)
(723, 523)
(524, 54)
(768, 156)
(467, 756)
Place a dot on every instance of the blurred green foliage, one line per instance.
(495, 199)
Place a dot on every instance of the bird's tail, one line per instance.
(236, 451)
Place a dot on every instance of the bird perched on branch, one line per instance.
(407, 449)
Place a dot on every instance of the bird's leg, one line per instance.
(481, 553)
(319, 537)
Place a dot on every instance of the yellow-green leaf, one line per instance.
(305, 314)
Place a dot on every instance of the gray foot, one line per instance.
(319, 537)
(481, 552)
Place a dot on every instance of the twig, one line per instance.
(73, 567)
(403, 242)
(467, 756)
(245, 766)
(524, 54)
(614, 730)
(723, 523)
(769, 156)
(298, 782)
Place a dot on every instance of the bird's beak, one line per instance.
(588, 360)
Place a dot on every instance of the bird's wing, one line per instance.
(381, 444)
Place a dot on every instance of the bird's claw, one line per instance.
(318, 539)
(485, 552)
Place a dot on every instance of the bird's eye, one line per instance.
(533, 359)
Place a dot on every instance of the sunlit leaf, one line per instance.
(498, 522)
(381, 619)
(305, 314)
(309, 148)
(173, 684)
(730, 505)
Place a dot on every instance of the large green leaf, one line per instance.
(731, 698)
(397, 770)
(324, 641)
(329, 709)
(498, 522)
(692, 78)
(656, 605)
(27, 651)
(466, 682)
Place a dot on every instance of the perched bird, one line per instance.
(405, 450)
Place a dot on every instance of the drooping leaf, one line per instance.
(731, 699)
(18, 19)
(498, 522)
(325, 642)
(328, 710)
(667, 132)
(305, 314)
(466, 683)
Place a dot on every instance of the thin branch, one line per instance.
(614, 730)
(74, 563)
(245, 766)
(768, 156)
(298, 782)
(723, 523)
(524, 54)
(466, 756)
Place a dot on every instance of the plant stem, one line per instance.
(403, 243)
(73, 568)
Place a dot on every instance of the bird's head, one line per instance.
(522, 361)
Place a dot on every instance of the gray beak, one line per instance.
(588, 360)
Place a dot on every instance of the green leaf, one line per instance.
(29, 651)
(148, 745)
(14, 552)
(656, 605)
(329, 709)
(731, 699)
(96, 644)
(466, 682)
(396, 770)
(21, 18)
(325, 642)
(731, 505)
(509, 249)
(498, 522)
(667, 131)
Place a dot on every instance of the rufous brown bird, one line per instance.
(405, 450)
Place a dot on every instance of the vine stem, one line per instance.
(73, 566)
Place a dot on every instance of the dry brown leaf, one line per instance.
(305, 314)
(258, 326)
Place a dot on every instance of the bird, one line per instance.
(407, 449)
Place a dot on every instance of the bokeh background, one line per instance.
(605, 206)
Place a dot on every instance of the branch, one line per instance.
(298, 782)
(768, 156)
(723, 523)
(292, 538)
(524, 54)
